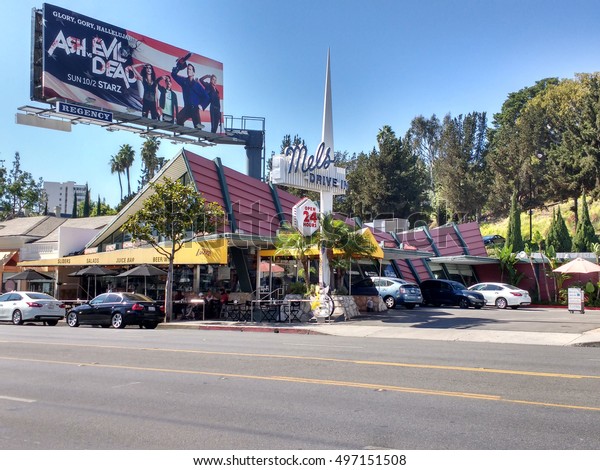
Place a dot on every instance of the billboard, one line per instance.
(98, 65)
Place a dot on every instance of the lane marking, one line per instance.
(305, 380)
(22, 400)
(326, 359)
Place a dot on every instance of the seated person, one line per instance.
(190, 308)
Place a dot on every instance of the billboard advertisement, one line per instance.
(99, 65)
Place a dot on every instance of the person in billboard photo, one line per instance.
(167, 101)
(194, 94)
(210, 85)
(149, 82)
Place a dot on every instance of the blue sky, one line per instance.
(391, 60)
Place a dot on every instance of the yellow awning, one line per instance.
(205, 252)
(314, 250)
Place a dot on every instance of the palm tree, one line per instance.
(127, 156)
(116, 167)
(336, 235)
(291, 241)
(149, 160)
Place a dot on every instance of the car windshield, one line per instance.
(457, 285)
(136, 297)
(366, 282)
(39, 296)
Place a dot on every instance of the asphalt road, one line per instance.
(93, 388)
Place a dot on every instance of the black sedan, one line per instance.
(119, 310)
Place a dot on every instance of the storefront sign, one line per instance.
(316, 172)
(209, 252)
(305, 217)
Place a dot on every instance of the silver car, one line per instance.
(23, 306)
(393, 290)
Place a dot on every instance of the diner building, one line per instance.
(240, 256)
(229, 259)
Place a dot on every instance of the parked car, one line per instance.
(24, 306)
(489, 240)
(393, 290)
(438, 292)
(118, 309)
(502, 295)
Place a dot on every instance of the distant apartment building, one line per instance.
(60, 196)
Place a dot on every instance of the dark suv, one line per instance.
(438, 292)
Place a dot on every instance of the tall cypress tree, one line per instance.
(86, 202)
(558, 233)
(74, 209)
(98, 207)
(514, 236)
(585, 234)
(564, 237)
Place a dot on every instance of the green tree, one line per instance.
(126, 156)
(558, 233)
(116, 166)
(518, 135)
(20, 193)
(585, 234)
(172, 212)
(571, 147)
(424, 139)
(290, 242)
(74, 208)
(336, 235)
(390, 180)
(514, 238)
(98, 207)
(508, 261)
(460, 171)
(86, 203)
(150, 162)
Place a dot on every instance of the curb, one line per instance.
(243, 328)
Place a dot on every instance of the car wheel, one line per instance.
(117, 321)
(17, 317)
(51, 322)
(463, 303)
(150, 325)
(72, 319)
(390, 303)
(501, 302)
(409, 306)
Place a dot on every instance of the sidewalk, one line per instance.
(524, 326)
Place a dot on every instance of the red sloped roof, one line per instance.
(447, 241)
(251, 199)
(471, 234)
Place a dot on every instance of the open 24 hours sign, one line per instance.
(305, 217)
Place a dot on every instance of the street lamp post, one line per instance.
(530, 209)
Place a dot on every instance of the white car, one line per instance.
(502, 295)
(21, 306)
